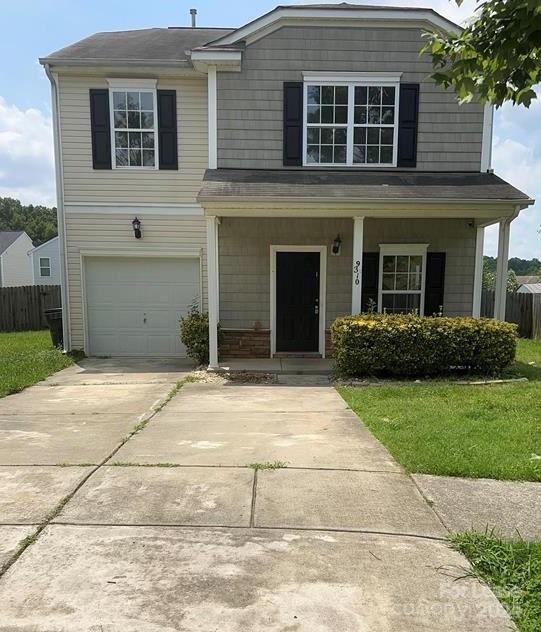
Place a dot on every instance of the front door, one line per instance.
(297, 301)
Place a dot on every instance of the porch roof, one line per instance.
(324, 185)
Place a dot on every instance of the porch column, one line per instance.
(212, 289)
(478, 272)
(357, 265)
(500, 295)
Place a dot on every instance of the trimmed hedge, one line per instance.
(410, 345)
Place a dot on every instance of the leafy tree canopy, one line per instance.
(521, 267)
(489, 279)
(497, 56)
(39, 222)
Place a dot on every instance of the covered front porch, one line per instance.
(281, 269)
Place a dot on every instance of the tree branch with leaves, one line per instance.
(496, 57)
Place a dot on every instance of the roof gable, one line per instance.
(344, 12)
(9, 237)
(166, 46)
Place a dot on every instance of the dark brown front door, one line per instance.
(297, 301)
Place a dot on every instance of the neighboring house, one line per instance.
(530, 288)
(46, 263)
(15, 268)
(294, 169)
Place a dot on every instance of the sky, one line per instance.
(35, 28)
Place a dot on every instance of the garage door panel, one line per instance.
(134, 304)
(160, 344)
(104, 319)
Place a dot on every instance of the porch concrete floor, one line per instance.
(307, 366)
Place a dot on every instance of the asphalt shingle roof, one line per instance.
(155, 44)
(529, 278)
(531, 288)
(7, 237)
(358, 185)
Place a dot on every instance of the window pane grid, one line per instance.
(374, 123)
(134, 128)
(360, 121)
(401, 283)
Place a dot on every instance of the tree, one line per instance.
(38, 221)
(489, 278)
(512, 281)
(496, 57)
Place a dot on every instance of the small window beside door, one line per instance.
(402, 278)
(44, 267)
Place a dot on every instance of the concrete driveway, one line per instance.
(171, 529)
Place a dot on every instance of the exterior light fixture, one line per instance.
(336, 246)
(136, 228)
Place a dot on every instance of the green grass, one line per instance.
(491, 431)
(268, 465)
(512, 568)
(26, 358)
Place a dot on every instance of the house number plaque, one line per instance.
(356, 272)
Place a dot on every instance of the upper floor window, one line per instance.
(45, 266)
(351, 122)
(134, 123)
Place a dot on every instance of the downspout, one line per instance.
(61, 220)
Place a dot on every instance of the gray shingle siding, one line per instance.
(245, 260)
(250, 102)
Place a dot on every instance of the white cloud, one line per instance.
(26, 155)
(517, 159)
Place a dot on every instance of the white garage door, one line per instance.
(134, 305)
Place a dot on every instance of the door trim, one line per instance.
(85, 254)
(322, 290)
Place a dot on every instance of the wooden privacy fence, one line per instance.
(21, 308)
(522, 309)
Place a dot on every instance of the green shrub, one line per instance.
(194, 335)
(409, 345)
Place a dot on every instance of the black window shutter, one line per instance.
(167, 129)
(100, 128)
(293, 114)
(435, 282)
(408, 120)
(370, 280)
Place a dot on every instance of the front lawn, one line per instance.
(512, 568)
(491, 431)
(27, 357)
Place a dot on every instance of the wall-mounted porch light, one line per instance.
(136, 228)
(336, 246)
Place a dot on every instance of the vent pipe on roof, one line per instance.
(193, 13)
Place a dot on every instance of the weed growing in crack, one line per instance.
(268, 465)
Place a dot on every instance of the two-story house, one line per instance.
(297, 168)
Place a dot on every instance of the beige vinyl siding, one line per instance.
(84, 184)
(250, 102)
(113, 232)
(244, 246)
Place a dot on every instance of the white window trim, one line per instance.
(351, 80)
(134, 85)
(396, 250)
(48, 266)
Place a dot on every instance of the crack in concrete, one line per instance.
(180, 525)
(254, 496)
(142, 422)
